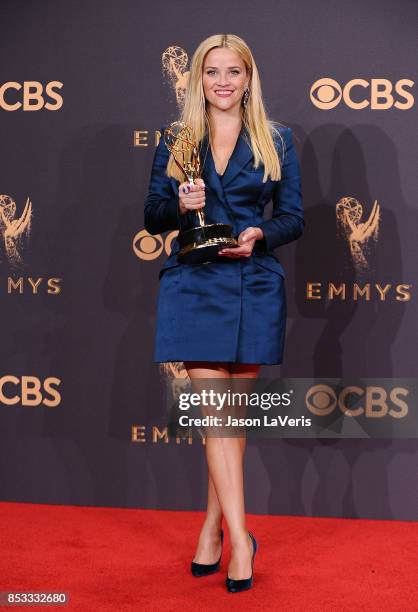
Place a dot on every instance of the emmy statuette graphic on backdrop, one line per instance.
(349, 212)
(198, 244)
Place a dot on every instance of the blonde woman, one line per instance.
(226, 318)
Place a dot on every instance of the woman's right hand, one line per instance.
(194, 199)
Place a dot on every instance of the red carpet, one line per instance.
(118, 559)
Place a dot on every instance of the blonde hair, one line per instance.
(259, 127)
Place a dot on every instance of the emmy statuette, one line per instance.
(198, 244)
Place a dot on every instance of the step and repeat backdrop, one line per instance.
(85, 88)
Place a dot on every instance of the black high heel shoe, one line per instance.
(204, 569)
(235, 586)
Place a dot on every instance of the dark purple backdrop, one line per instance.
(87, 182)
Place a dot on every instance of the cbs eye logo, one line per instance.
(371, 402)
(148, 247)
(378, 94)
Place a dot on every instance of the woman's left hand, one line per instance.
(246, 240)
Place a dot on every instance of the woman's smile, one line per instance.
(224, 93)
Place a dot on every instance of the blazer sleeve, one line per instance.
(287, 222)
(161, 210)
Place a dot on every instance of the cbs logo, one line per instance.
(30, 96)
(29, 391)
(321, 400)
(149, 247)
(379, 94)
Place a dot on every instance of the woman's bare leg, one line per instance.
(225, 464)
(241, 546)
(209, 546)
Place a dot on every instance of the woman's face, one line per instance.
(224, 78)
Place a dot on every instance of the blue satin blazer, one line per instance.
(233, 310)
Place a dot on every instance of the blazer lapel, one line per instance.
(240, 156)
